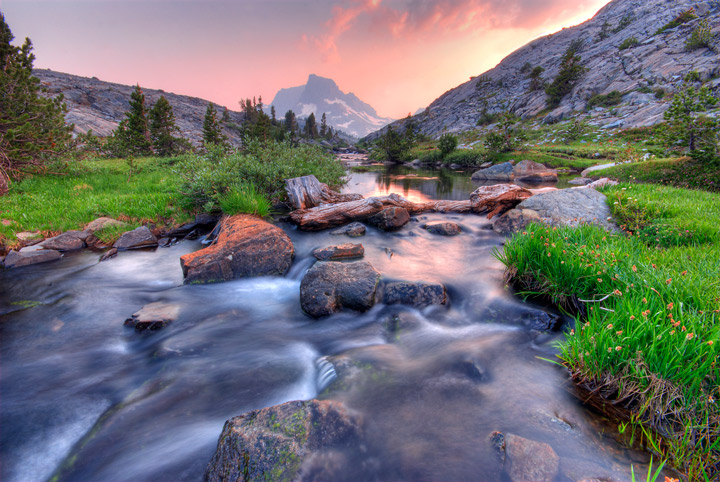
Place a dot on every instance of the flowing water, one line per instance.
(84, 398)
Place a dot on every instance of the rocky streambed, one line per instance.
(406, 360)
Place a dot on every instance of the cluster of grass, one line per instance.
(605, 100)
(629, 43)
(648, 303)
(684, 17)
(679, 172)
(211, 180)
(146, 191)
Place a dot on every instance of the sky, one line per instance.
(396, 55)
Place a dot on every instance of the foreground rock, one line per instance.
(354, 230)
(497, 199)
(390, 219)
(280, 442)
(444, 228)
(246, 246)
(153, 316)
(570, 207)
(529, 171)
(140, 237)
(67, 241)
(16, 259)
(341, 251)
(417, 294)
(331, 286)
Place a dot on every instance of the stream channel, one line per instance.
(83, 398)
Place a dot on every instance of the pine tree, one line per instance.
(323, 126)
(311, 127)
(132, 136)
(225, 116)
(32, 127)
(212, 133)
(162, 128)
(273, 119)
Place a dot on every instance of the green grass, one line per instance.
(244, 198)
(679, 172)
(93, 188)
(649, 340)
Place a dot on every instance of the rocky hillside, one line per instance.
(344, 111)
(646, 67)
(100, 106)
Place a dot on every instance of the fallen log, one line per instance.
(498, 198)
(307, 192)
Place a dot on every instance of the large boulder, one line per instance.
(390, 218)
(246, 246)
(330, 286)
(418, 294)
(67, 241)
(497, 199)
(341, 251)
(515, 220)
(140, 237)
(15, 259)
(282, 442)
(498, 172)
(529, 171)
(570, 207)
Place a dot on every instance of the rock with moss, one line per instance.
(285, 442)
(331, 286)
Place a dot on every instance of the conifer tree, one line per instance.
(311, 127)
(32, 127)
(273, 119)
(225, 115)
(132, 136)
(323, 126)
(163, 128)
(212, 133)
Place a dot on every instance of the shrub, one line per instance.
(684, 17)
(659, 93)
(447, 144)
(687, 126)
(465, 157)
(606, 100)
(700, 37)
(395, 146)
(573, 130)
(629, 43)
(536, 80)
(487, 118)
(430, 157)
(570, 71)
(506, 137)
(624, 22)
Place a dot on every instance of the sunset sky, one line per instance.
(397, 55)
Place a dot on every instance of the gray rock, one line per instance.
(570, 207)
(284, 442)
(26, 237)
(330, 286)
(341, 251)
(390, 219)
(498, 172)
(417, 294)
(445, 228)
(15, 259)
(67, 241)
(527, 460)
(530, 171)
(580, 181)
(514, 221)
(153, 316)
(101, 223)
(140, 237)
(110, 253)
(354, 230)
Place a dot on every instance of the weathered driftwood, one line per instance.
(307, 192)
(331, 215)
(498, 198)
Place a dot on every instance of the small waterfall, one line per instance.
(325, 373)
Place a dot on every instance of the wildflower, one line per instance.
(609, 349)
(609, 327)
(689, 336)
(572, 332)
(710, 343)
(653, 265)
(668, 281)
(618, 348)
(670, 306)
(683, 328)
(683, 273)
(562, 262)
(711, 399)
(634, 268)
(617, 292)
(618, 333)
(632, 317)
(672, 332)
(548, 255)
(644, 300)
(599, 280)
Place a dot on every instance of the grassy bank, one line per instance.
(646, 338)
(164, 191)
(679, 172)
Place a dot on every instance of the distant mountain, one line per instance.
(100, 106)
(344, 111)
(650, 66)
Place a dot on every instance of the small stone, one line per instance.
(353, 230)
(140, 237)
(416, 294)
(101, 223)
(341, 251)
(445, 228)
(153, 316)
(111, 253)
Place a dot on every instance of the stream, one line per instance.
(83, 398)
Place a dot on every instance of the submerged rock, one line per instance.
(445, 228)
(390, 219)
(67, 241)
(341, 251)
(15, 259)
(284, 442)
(247, 246)
(418, 294)
(353, 230)
(153, 316)
(110, 253)
(528, 460)
(330, 286)
(140, 237)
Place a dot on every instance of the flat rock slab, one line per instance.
(417, 294)
(281, 442)
(354, 230)
(570, 207)
(331, 286)
(153, 316)
(445, 228)
(15, 259)
(341, 251)
(246, 246)
(67, 241)
(140, 237)
(390, 219)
